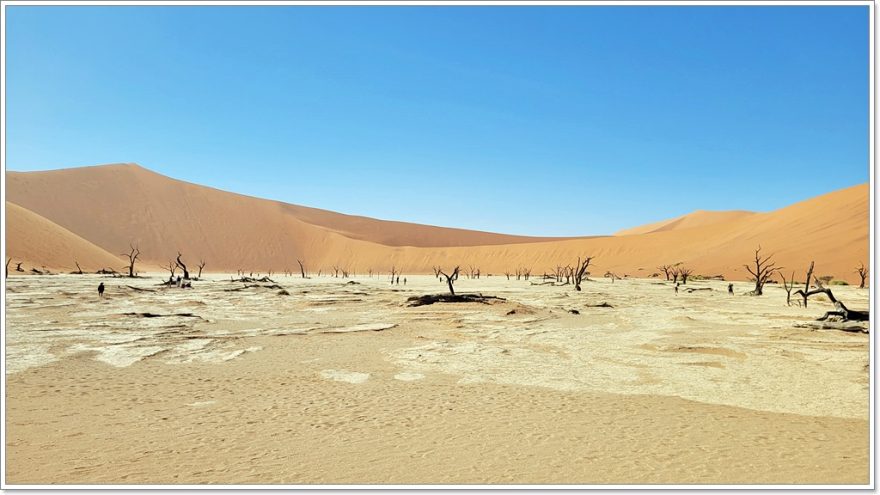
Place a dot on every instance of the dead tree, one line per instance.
(507, 272)
(172, 267)
(788, 285)
(471, 271)
(201, 266)
(132, 257)
(863, 274)
(436, 270)
(684, 273)
(580, 271)
(841, 311)
(764, 268)
(182, 266)
(611, 275)
(302, 268)
(527, 272)
(666, 269)
(807, 283)
(518, 273)
(79, 270)
(8, 260)
(335, 271)
(450, 279)
(345, 273)
(394, 272)
(675, 274)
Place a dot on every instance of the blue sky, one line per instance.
(528, 120)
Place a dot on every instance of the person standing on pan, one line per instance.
(101, 289)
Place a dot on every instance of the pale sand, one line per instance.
(112, 206)
(342, 384)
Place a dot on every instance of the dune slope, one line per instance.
(114, 205)
(38, 242)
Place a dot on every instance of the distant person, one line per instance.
(398, 280)
(178, 280)
(404, 280)
(101, 289)
(730, 289)
(676, 287)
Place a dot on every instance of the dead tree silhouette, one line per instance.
(580, 271)
(863, 274)
(182, 266)
(788, 285)
(450, 279)
(132, 257)
(764, 268)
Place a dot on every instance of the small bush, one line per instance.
(839, 282)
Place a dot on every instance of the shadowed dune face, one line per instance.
(37, 241)
(113, 205)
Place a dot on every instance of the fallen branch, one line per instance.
(450, 298)
(841, 311)
(832, 325)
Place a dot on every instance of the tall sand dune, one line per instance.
(114, 205)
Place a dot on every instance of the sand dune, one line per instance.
(114, 205)
(698, 218)
(36, 241)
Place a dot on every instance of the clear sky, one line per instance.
(525, 120)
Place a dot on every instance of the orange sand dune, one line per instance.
(117, 204)
(40, 243)
(699, 218)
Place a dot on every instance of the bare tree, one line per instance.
(18, 266)
(580, 270)
(172, 267)
(863, 274)
(684, 273)
(764, 268)
(436, 270)
(527, 272)
(302, 268)
(675, 274)
(450, 279)
(8, 260)
(518, 273)
(335, 271)
(611, 275)
(807, 283)
(471, 271)
(132, 257)
(507, 272)
(201, 266)
(182, 266)
(666, 269)
(394, 272)
(79, 270)
(788, 285)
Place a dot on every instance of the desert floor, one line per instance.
(340, 383)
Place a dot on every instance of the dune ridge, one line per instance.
(113, 205)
